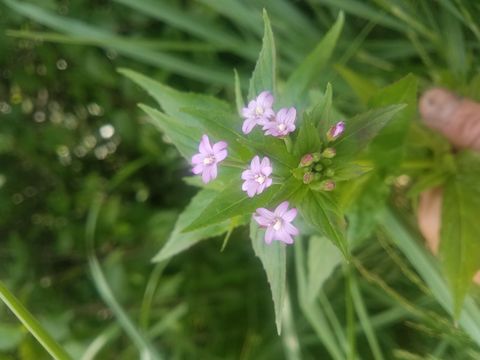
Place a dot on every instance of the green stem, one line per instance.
(32, 324)
(350, 313)
(288, 143)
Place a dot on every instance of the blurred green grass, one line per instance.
(60, 88)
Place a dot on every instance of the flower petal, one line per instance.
(266, 213)
(289, 228)
(281, 209)
(251, 188)
(197, 169)
(269, 233)
(198, 158)
(205, 147)
(248, 125)
(264, 222)
(221, 155)
(219, 146)
(290, 215)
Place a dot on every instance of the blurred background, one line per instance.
(70, 131)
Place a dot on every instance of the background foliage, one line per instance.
(90, 190)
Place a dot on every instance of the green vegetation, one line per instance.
(116, 253)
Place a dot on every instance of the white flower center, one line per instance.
(260, 179)
(277, 224)
(209, 160)
(281, 127)
(259, 110)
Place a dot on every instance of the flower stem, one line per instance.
(288, 143)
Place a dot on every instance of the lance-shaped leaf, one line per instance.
(184, 137)
(387, 149)
(274, 262)
(361, 129)
(179, 241)
(460, 229)
(315, 210)
(263, 77)
(173, 101)
(230, 202)
(308, 139)
(311, 68)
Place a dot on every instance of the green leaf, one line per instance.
(185, 138)
(316, 212)
(308, 139)
(263, 77)
(273, 258)
(230, 202)
(173, 101)
(238, 93)
(388, 147)
(311, 68)
(222, 125)
(363, 87)
(460, 229)
(319, 271)
(361, 129)
(180, 241)
(323, 113)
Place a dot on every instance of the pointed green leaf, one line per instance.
(361, 129)
(460, 230)
(179, 241)
(263, 77)
(171, 100)
(238, 93)
(274, 262)
(388, 147)
(323, 113)
(185, 138)
(315, 211)
(319, 271)
(230, 202)
(363, 87)
(308, 139)
(311, 68)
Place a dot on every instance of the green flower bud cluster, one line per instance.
(315, 170)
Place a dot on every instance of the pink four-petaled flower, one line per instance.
(282, 124)
(277, 223)
(258, 111)
(257, 177)
(205, 162)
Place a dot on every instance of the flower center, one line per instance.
(259, 110)
(277, 224)
(260, 179)
(281, 127)
(209, 160)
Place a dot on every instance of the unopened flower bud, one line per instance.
(335, 131)
(316, 156)
(329, 172)
(329, 153)
(306, 160)
(308, 178)
(318, 167)
(325, 185)
(329, 185)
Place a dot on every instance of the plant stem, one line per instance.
(32, 324)
(288, 143)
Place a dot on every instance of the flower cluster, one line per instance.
(315, 169)
(260, 112)
(258, 176)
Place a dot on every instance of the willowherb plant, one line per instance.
(280, 158)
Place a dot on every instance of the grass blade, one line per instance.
(33, 326)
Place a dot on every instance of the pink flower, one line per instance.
(258, 111)
(277, 223)
(335, 131)
(205, 162)
(257, 177)
(282, 124)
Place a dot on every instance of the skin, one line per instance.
(459, 121)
